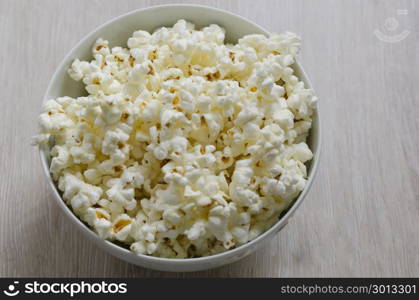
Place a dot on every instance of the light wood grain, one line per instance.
(361, 217)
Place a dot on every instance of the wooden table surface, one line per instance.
(361, 217)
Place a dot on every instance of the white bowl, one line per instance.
(117, 31)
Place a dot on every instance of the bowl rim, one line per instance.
(113, 248)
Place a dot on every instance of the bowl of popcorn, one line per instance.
(180, 137)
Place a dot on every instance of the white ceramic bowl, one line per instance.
(117, 31)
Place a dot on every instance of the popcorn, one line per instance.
(184, 146)
(79, 69)
(114, 141)
(119, 193)
(121, 227)
(301, 152)
(99, 219)
(53, 122)
(138, 39)
(60, 161)
(78, 193)
(86, 152)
